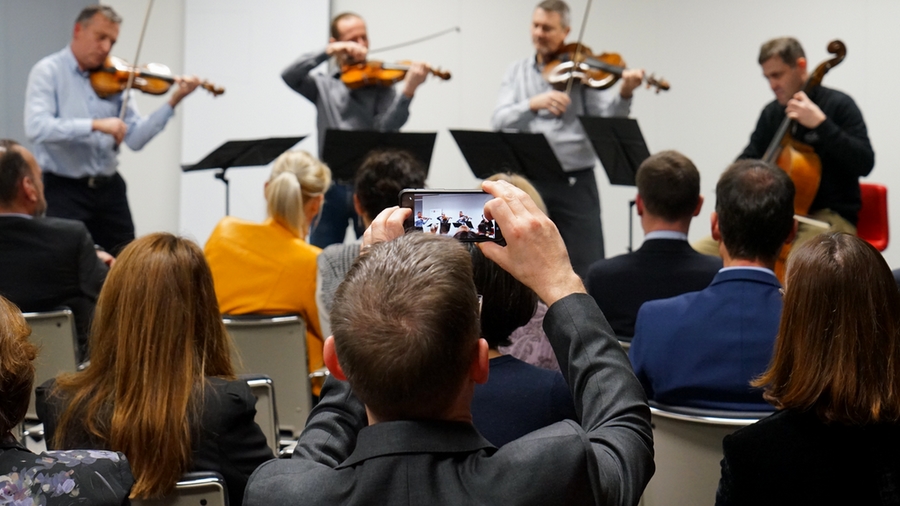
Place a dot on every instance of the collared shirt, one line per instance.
(59, 108)
(16, 215)
(666, 234)
(748, 267)
(566, 136)
(340, 108)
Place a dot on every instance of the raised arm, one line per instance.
(297, 74)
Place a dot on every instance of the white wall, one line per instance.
(705, 48)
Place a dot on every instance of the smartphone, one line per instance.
(453, 213)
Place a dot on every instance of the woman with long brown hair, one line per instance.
(835, 379)
(160, 386)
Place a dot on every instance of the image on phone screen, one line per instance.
(453, 213)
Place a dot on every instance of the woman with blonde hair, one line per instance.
(160, 386)
(835, 380)
(269, 268)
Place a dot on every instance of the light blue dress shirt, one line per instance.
(59, 108)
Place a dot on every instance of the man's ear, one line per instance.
(793, 234)
(639, 203)
(801, 63)
(481, 364)
(331, 360)
(714, 226)
(357, 206)
(29, 189)
(699, 205)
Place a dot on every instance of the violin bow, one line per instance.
(579, 44)
(137, 54)
(417, 41)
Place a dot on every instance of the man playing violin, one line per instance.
(76, 134)
(827, 120)
(528, 103)
(338, 107)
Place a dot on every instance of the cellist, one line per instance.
(829, 122)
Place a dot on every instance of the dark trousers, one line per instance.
(100, 203)
(330, 226)
(574, 206)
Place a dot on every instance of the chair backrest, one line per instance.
(204, 488)
(266, 417)
(54, 333)
(873, 215)
(276, 346)
(688, 447)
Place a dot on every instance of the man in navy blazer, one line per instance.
(668, 198)
(701, 349)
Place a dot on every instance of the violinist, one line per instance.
(528, 103)
(827, 120)
(342, 108)
(76, 134)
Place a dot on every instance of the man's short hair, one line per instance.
(755, 206)
(405, 324)
(13, 168)
(786, 48)
(335, 33)
(381, 177)
(669, 185)
(559, 7)
(87, 14)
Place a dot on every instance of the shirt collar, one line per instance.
(751, 268)
(73, 63)
(665, 234)
(16, 215)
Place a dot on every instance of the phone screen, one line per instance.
(453, 213)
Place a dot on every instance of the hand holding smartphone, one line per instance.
(453, 213)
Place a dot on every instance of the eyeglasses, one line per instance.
(480, 298)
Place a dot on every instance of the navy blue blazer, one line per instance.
(701, 349)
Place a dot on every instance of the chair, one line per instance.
(688, 447)
(54, 333)
(203, 488)
(276, 346)
(266, 417)
(873, 215)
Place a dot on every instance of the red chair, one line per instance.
(873, 216)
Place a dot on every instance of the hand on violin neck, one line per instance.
(555, 102)
(347, 52)
(112, 126)
(185, 86)
(416, 75)
(631, 79)
(804, 111)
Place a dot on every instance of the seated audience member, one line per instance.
(378, 183)
(835, 380)
(518, 398)
(268, 267)
(702, 349)
(399, 429)
(160, 386)
(47, 263)
(665, 265)
(51, 478)
(529, 343)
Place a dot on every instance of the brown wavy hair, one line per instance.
(16, 366)
(838, 347)
(157, 334)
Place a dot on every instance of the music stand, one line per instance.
(528, 154)
(248, 153)
(619, 145)
(345, 150)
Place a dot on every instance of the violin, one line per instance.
(154, 78)
(576, 62)
(376, 73)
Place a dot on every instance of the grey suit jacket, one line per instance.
(607, 460)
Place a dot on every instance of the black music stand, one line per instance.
(619, 145)
(345, 150)
(527, 154)
(249, 153)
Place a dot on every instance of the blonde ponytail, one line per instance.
(296, 178)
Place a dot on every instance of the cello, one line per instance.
(798, 159)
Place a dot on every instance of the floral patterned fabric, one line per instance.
(89, 477)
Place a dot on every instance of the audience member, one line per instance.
(835, 380)
(665, 265)
(379, 181)
(160, 386)
(51, 478)
(701, 349)
(268, 267)
(48, 263)
(398, 430)
(518, 398)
